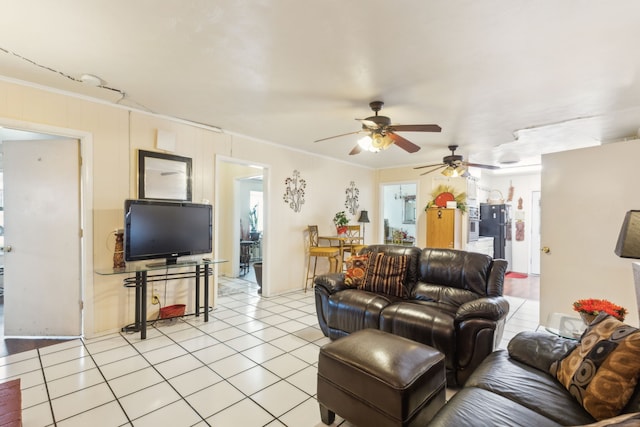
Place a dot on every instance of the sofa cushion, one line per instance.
(602, 371)
(352, 309)
(530, 387)
(356, 270)
(429, 323)
(473, 406)
(456, 269)
(386, 274)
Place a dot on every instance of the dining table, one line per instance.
(342, 242)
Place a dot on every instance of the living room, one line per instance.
(585, 193)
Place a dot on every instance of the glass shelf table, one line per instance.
(565, 325)
(140, 274)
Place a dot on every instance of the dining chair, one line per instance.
(332, 253)
(353, 240)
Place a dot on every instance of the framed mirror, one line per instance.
(163, 176)
(409, 210)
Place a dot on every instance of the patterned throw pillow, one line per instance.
(386, 274)
(356, 270)
(602, 371)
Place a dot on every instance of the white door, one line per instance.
(585, 195)
(42, 238)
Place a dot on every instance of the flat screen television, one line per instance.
(156, 229)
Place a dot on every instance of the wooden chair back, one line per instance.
(313, 235)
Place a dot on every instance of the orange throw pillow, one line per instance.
(356, 270)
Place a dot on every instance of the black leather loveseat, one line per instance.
(450, 300)
(517, 387)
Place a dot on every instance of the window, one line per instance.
(255, 199)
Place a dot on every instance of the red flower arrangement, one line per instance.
(595, 306)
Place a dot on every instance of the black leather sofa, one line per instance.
(514, 387)
(453, 302)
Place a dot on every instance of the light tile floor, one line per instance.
(253, 364)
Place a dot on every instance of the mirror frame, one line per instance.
(164, 176)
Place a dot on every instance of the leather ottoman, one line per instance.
(375, 378)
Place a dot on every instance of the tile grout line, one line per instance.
(46, 386)
(107, 384)
(226, 379)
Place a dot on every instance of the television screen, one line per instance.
(158, 229)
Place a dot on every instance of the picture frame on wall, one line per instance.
(164, 176)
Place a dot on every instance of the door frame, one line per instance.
(266, 171)
(86, 207)
(534, 250)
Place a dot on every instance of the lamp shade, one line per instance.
(628, 245)
(364, 216)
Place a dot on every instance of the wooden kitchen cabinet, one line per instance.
(444, 228)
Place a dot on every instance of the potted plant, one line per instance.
(590, 308)
(253, 221)
(341, 221)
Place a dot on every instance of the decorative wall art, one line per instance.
(163, 176)
(351, 202)
(294, 191)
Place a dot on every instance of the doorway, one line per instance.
(241, 224)
(44, 214)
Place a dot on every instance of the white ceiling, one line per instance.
(499, 76)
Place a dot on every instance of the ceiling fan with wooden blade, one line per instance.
(382, 134)
(453, 164)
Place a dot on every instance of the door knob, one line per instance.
(545, 249)
(7, 248)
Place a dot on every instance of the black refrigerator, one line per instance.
(495, 221)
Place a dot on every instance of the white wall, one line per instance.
(118, 133)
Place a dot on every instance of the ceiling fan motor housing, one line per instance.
(453, 159)
(381, 121)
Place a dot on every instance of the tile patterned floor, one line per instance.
(253, 364)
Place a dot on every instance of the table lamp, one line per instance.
(628, 246)
(364, 218)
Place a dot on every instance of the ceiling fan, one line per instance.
(454, 164)
(381, 134)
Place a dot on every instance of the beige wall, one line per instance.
(115, 134)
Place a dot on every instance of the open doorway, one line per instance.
(250, 195)
(241, 225)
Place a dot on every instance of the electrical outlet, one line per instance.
(155, 300)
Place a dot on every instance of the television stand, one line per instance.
(140, 278)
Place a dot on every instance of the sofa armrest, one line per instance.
(491, 308)
(539, 349)
(330, 282)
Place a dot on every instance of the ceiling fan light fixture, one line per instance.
(454, 171)
(460, 171)
(380, 141)
(448, 171)
(367, 143)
